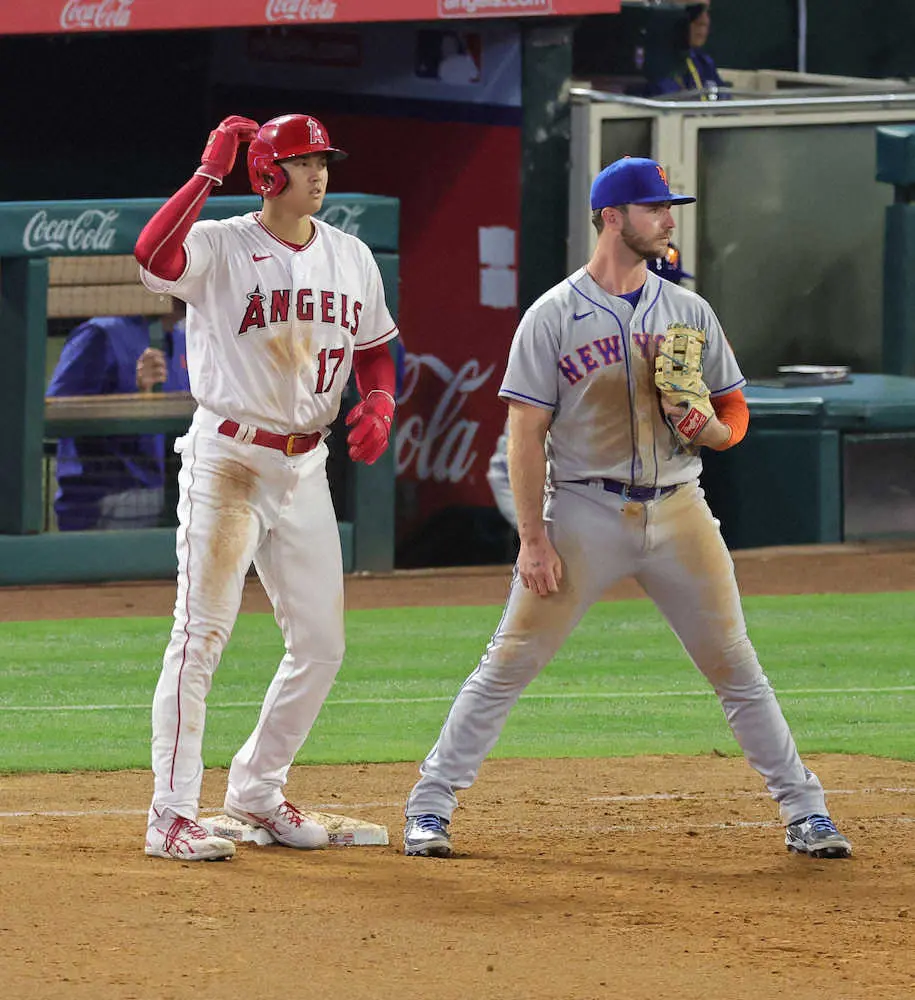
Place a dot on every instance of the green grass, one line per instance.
(76, 694)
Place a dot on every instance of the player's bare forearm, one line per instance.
(527, 427)
(715, 434)
(538, 562)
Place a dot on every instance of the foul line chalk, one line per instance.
(725, 796)
(334, 807)
(447, 699)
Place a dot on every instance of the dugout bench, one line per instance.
(74, 260)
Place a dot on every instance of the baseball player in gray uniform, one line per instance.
(604, 489)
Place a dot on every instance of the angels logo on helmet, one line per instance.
(280, 139)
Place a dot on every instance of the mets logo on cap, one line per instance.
(634, 180)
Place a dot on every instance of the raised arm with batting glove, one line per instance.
(160, 246)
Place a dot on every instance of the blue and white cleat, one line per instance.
(426, 836)
(817, 837)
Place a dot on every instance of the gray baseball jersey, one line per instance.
(589, 356)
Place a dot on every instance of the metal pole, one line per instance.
(802, 36)
(759, 104)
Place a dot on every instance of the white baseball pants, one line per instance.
(241, 502)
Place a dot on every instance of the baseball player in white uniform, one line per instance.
(280, 307)
(622, 498)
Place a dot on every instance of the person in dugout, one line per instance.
(117, 480)
(697, 70)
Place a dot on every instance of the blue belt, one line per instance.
(628, 492)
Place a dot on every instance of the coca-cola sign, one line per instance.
(300, 10)
(342, 217)
(95, 15)
(47, 17)
(93, 230)
(440, 448)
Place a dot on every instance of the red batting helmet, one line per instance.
(281, 139)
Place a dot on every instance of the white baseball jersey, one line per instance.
(271, 328)
(589, 356)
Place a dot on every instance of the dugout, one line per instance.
(73, 260)
(820, 464)
(478, 151)
(450, 106)
(803, 256)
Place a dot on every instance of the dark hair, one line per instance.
(691, 11)
(597, 216)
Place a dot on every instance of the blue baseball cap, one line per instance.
(634, 180)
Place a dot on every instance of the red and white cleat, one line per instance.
(179, 838)
(286, 824)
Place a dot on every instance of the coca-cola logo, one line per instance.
(301, 10)
(343, 217)
(92, 229)
(439, 449)
(95, 15)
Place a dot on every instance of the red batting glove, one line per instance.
(371, 423)
(218, 156)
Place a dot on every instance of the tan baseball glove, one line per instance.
(678, 377)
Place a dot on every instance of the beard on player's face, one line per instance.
(646, 246)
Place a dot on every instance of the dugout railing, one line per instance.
(48, 257)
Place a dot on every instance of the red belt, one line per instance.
(289, 444)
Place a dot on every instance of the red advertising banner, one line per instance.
(460, 202)
(42, 17)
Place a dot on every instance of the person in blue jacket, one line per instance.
(670, 266)
(697, 71)
(116, 481)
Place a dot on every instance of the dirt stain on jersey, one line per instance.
(608, 422)
(653, 438)
(290, 350)
(234, 486)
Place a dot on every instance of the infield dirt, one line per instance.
(631, 879)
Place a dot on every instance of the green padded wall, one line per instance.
(30, 233)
